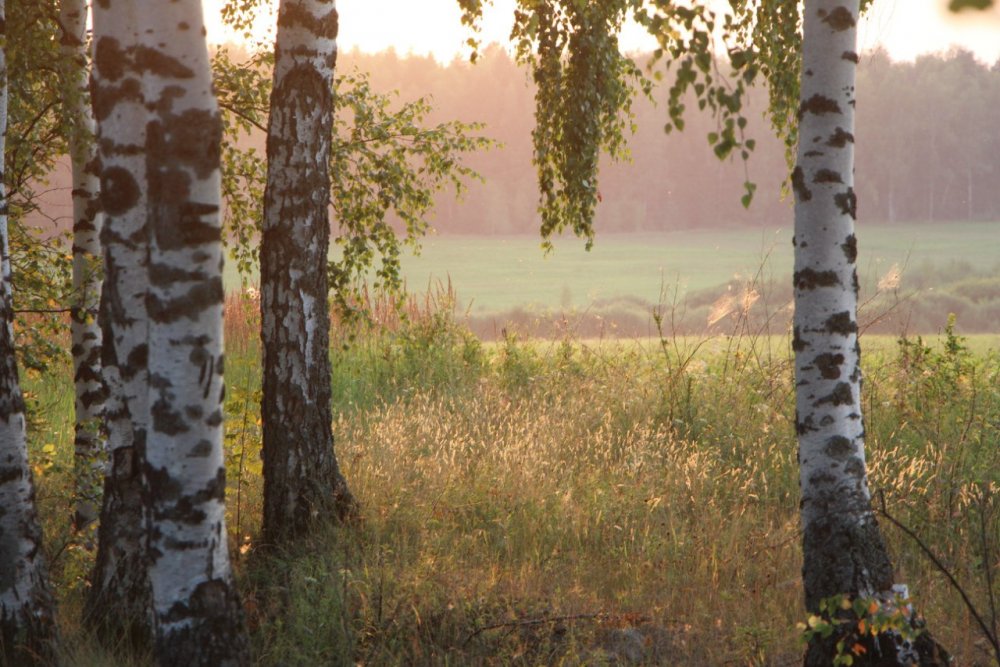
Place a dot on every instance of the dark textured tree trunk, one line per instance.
(118, 606)
(27, 627)
(87, 223)
(302, 480)
(843, 549)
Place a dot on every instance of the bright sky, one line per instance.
(906, 28)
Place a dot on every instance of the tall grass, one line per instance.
(527, 502)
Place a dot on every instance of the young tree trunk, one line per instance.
(197, 612)
(302, 480)
(118, 606)
(87, 222)
(27, 628)
(843, 549)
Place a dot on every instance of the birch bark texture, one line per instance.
(302, 479)
(118, 606)
(198, 618)
(843, 549)
(27, 627)
(87, 222)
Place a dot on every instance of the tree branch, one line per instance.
(990, 636)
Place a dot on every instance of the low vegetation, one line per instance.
(573, 501)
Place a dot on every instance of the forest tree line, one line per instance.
(674, 182)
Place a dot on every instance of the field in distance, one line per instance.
(492, 275)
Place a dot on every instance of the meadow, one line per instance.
(573, 501)
(510, 282)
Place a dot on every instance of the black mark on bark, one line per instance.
(847, 202)
(819, 105)
(807, 279)
(840, 138)
(799, 185)
(797, 343)
(827, 176)
(119, 191)
(829, 365)
(838, 448)
(842, 394)
(293, 15)
(850, 248)
(841, 323)
(840, 19)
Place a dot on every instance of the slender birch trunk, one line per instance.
(119, 604)
(27, 627)
(843, 549)
(87, 222)
(301, 477)
(198, 615)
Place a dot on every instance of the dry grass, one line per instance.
(608, 485)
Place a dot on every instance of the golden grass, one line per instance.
(621, 485)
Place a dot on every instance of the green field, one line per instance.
(496, 274)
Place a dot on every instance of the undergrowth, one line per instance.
(540, 502)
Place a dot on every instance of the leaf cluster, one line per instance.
(856, 624)
(586, 85)
(37, 135)
(387, 162)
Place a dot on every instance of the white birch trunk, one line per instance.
(198, 616)
(843, 549)
(26, 608)
(302, 480)
(87, 222)
(118, 605)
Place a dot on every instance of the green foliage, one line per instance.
(583, 102)
(855, 625)
(243, 91)
(37, 134)
(585, 85)
(386, 165)
(583, 99)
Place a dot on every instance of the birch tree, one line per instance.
(301, 477)
(196, 611)
(843, 550)
(118, 603)
(164, 552)
(87, 222)
(26, 607)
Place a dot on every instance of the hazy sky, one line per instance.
(905, 28)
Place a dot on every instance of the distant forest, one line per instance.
(928, 148)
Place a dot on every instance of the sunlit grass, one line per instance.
(612, 483)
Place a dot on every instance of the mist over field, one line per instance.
(670, 227)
